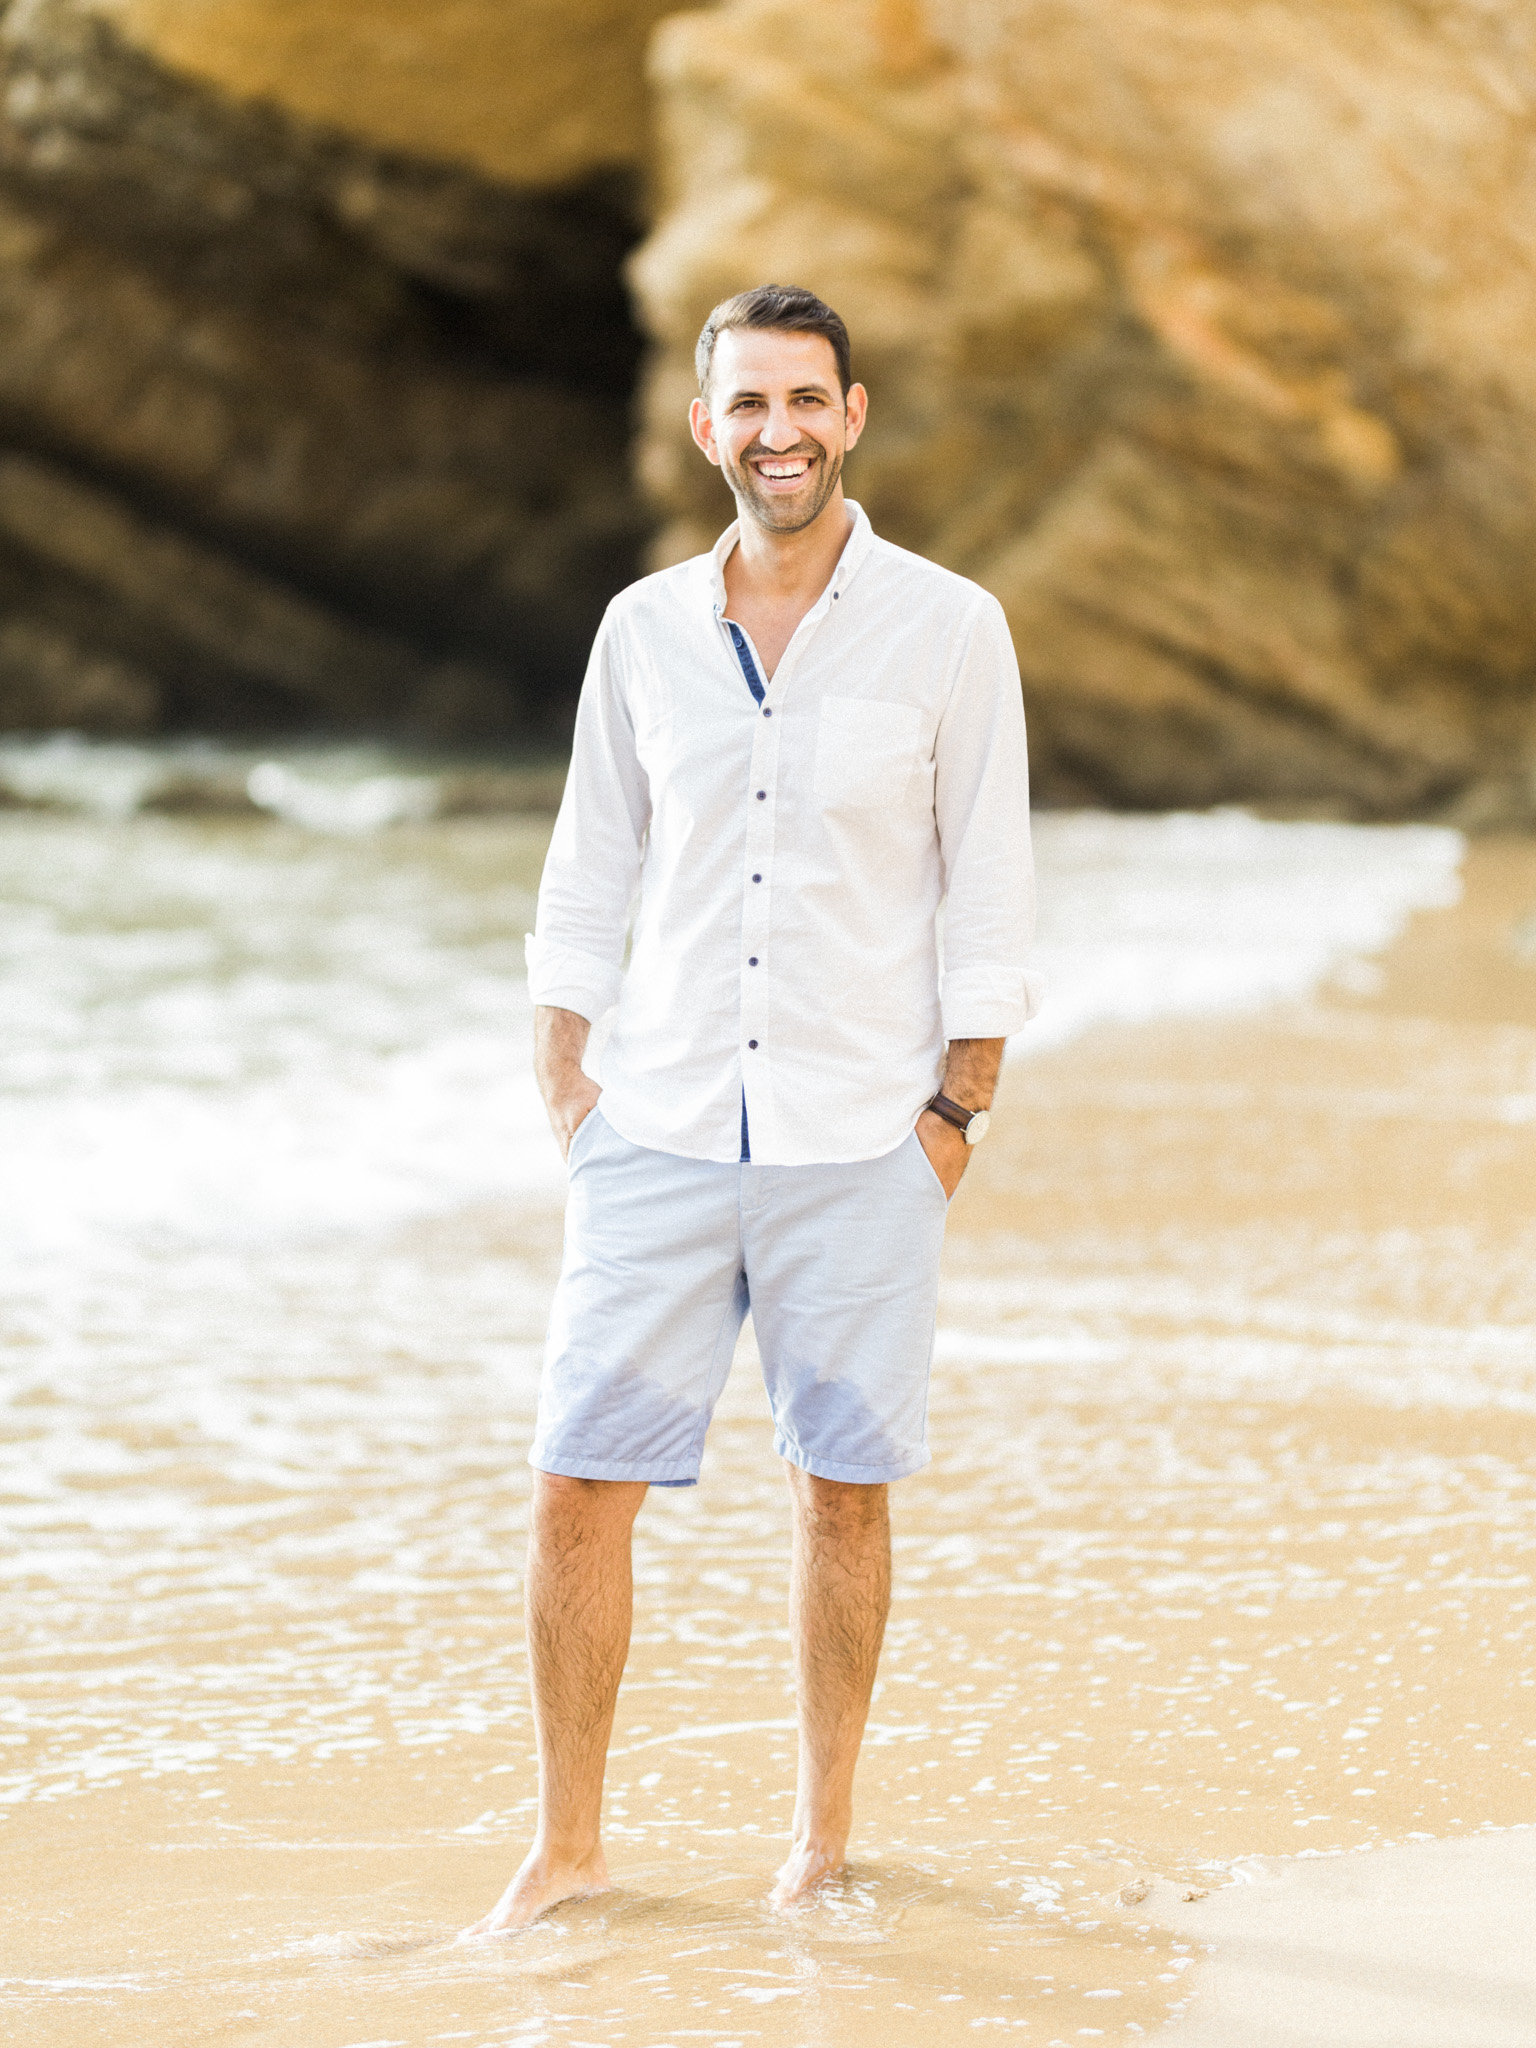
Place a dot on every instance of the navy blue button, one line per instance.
(766, 712)
(753, 961)
(762, 795)
(751, 1045)
(836, 595)
(757, 878)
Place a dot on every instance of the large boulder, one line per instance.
(1203, 333)
(315, 359)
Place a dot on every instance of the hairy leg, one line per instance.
(578, 1602)
(840, 1594)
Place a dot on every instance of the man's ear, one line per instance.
(703, 430)
(856, 406)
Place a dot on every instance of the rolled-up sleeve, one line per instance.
(576, 951)
(981, 804)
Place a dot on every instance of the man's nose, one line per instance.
(781, 431)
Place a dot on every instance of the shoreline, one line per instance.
(1424, 1942)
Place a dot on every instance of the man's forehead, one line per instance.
(769, 358)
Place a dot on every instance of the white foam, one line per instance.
(407, 1135)
(1195, 914)
(320, 803)
(211, 1039)
(102, 778)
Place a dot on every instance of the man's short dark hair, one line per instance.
(779, 308)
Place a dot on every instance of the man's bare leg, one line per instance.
(840, 1594)
(579, 1603)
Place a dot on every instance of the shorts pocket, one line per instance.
(928, 1167)
(580, 1138)
(866, 750)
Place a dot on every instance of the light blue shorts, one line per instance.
(664, 1257)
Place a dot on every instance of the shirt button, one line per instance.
(753, 961)
(751, 1045)
(767, 713)
(757, 878)
(762, 796)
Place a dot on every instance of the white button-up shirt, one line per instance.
(784, 862)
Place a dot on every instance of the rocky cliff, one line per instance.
(1202, 332)
(315, 359)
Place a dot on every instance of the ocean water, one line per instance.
(279, 1217)
(305, 1008)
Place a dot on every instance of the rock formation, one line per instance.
(537, 94)
(1202, 332)
(314, 376)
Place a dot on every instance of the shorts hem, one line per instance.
(851, 1475)
(611, 1468)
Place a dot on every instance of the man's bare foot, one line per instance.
(542, 1882)
(807, 1866)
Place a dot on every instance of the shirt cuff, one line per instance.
(987, 1005)
(565, 978)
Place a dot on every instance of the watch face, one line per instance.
(978, 1127)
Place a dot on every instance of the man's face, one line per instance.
(777, 424)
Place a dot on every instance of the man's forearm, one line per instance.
(559, 1040)
(970, 1076)
(971, 1070)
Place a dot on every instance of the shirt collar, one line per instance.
(861, 539)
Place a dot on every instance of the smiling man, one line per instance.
(789, 753)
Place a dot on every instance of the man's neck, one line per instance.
(783, 568)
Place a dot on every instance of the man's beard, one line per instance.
(784, 515)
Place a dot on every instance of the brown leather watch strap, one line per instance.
(952, 1112)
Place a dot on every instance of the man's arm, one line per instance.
(575, 955)
(970, 1078)
(559, 1040)
(981, 809)
(576, 950)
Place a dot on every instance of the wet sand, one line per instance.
(1226, 1553)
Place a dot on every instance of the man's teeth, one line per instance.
(783, 468)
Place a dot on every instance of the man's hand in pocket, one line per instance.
(559, 1040)
(948, 1153)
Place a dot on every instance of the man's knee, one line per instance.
(842, 1502)
(561, 1501)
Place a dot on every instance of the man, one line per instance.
(786, 754)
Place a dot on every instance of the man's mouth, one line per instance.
(788, 471)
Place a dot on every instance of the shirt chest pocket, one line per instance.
(865, 751)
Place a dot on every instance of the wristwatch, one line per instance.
(972, 1124)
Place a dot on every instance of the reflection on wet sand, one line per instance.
(1226, 1549)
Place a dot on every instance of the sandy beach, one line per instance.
(1207, 1701)
(1420, 1946)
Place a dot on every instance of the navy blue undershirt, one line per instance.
(755, 685)
(744, 656)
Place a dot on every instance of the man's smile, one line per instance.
(783, 470)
